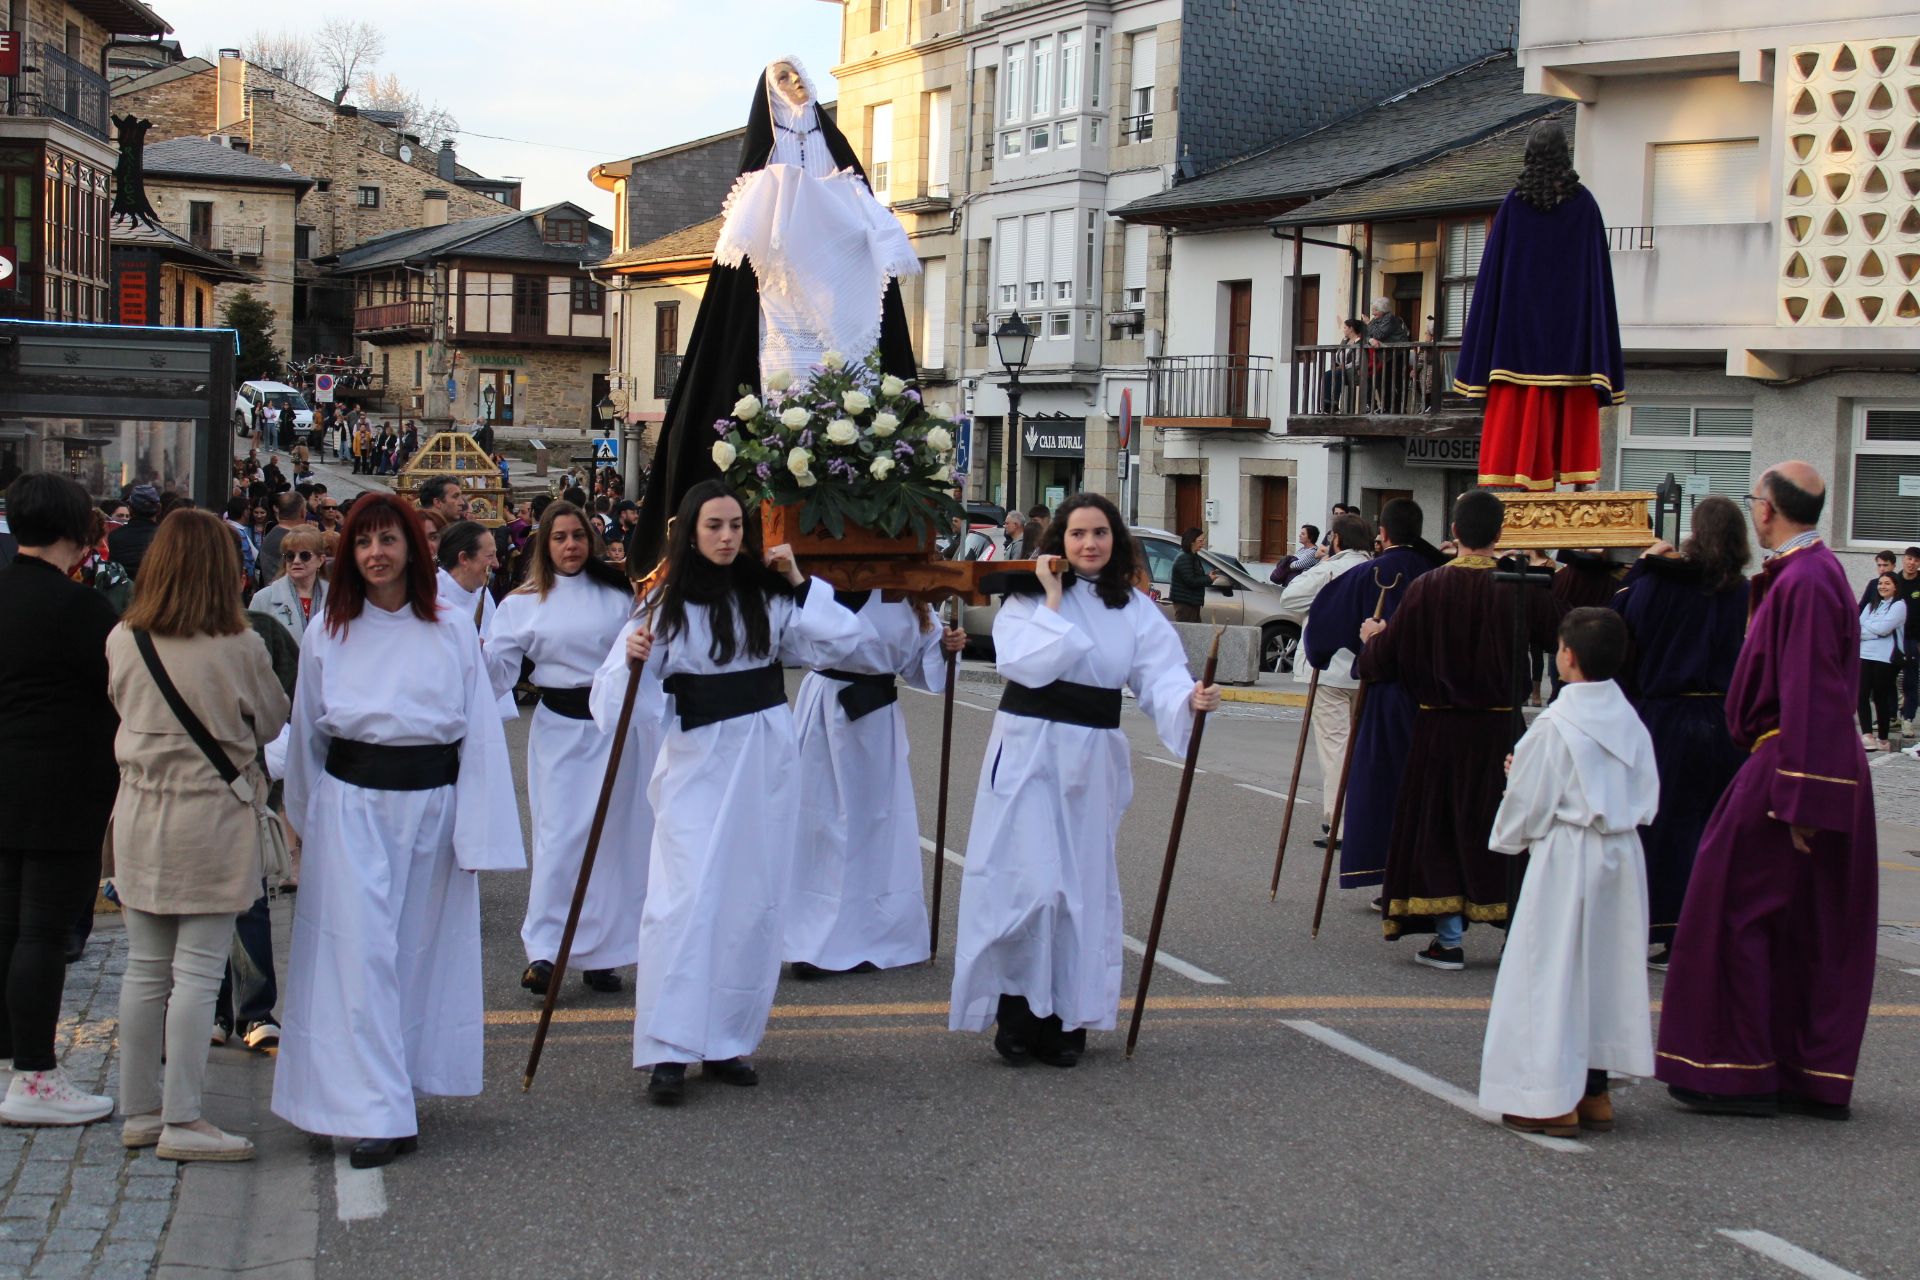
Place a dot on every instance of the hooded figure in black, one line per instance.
(852, 243)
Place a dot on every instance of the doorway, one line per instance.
(1372, 500)
(1187, 505)
(1239, 345)
(496, 396)
(1276, 520)
(1406, 288)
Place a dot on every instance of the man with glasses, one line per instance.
(1772, 967)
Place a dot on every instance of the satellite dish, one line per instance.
(406, 154)
(286, 166)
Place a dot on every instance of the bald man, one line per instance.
(1772, 968)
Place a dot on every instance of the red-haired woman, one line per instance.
(399, 784)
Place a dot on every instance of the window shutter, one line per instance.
(1879, 513)
(1135, 263)
(1035, 262)
(933, 313)
(1145, 53)
(1007, 260)
(1706, 182)
(1723, 424)
(1662, 420)
(1893, 426)
(1466, 244)
(939, 141)
(1727, 471)
(1063, 253)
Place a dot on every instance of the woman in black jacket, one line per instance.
(1191, 577)
(57, 784)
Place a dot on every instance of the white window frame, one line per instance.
(1072, 45)
(939, 142)
(1040, 59)
(1096, 70)
(1059, 325)
(1876, 449)
(933, 313)
(1013, 83)
(1692, 442)
(880, 150)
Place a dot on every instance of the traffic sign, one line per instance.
(453, 389)
(963, 447)
(606, 450)
(323, 388)
(1126, 418)
(9, 267)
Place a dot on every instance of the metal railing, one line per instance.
(1215, 388)
(416, 313)
(1392, 378)
(1629, 239)
(54, 85)
(1139, 128)
(233, 242)
(666, 372)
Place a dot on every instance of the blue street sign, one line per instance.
(453, 390)
(963, 447)
(606, 451)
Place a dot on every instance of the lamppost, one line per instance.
(1014, 341)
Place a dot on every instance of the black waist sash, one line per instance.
(865, 693)
(379, 767)
(708, 699)
(571, 703)
(1064, 702)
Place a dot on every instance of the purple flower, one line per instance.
(723, 426)
(904, 449)
(763, 471)
(805, 439)
(913, 394)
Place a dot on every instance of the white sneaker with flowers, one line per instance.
(48, 1097)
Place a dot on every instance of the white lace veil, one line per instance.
(785, 114)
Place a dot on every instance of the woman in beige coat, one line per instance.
(184, 847)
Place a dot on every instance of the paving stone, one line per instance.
(74, 1216)
(149, 1189)
(141, 1220)
(17, 1253)
(42, 1178)
(94, 1185)
(73, 1240)
(27, 1208)
(62, 1266)
(55, 1144)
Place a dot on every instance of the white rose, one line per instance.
(724, 454)
(943, 475)
(856, 402)
(799, 461)
(746, 408)
(891, 386)
(779, 380)
(807, 481)
(885, 424)
(880, 468)
(942, 410)
(795, 418)
(833, 360)
(939, 440)
(842, 431)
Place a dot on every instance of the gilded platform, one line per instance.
(1579, 521)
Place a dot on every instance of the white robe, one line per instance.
(857, 892)
(567, 635)
(383, 996)
(1040, 900)
(462, 603)
(1572, 989)
(726, 801)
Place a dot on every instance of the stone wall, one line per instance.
(550, 388)
(268, 210)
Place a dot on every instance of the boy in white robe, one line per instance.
(1570, 1003)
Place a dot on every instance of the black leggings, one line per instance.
(1876, 696)
(41, 891)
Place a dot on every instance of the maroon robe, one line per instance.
(1450, 645)
(1773, 964)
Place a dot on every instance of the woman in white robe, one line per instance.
(398, 780)
(1039, 950)
(725, 792)
(468, 559)
(1570, 1002)
(857, 898)
(565, 618)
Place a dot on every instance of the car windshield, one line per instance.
(284, 399)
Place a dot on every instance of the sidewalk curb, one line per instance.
(1266, 697)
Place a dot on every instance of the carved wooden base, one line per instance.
(930, 580)
(1578, 521)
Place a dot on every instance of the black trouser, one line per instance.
(1041, 1035)
(1596, 1083)
(41, 890)
(1876, 696)
(250, 989)
(1909, 665)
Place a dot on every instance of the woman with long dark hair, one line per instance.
(565, 619)
(1883, 623)
(1687, 616)
(1039, 948)
(398, 781)
(725, 790)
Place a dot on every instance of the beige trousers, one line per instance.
(1332, 722)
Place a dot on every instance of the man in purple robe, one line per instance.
(1766, 1001)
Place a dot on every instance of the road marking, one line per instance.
(962, 702)
(1789, 1255)
(1433, 1086)
(1877, 761)
(1248, 786)
(1178, 764)
(1914, 972)
(359, 1194)
(1898, 866)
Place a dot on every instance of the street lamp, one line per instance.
(1014, 341)
(606, 409)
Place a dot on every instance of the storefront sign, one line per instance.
(1455, 453)
(10, 43)
(1054, 438)
(133, 293)
(482, 357)
(1910, 486)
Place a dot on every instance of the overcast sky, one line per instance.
(577, 81)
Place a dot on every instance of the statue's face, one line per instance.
(788, 84)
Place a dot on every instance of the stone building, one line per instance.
(162, 278)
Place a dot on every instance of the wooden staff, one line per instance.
(1293, 787)
(1173, 848)
(644, 587)
(1346, 766)
(940, 822)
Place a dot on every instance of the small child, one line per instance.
(1570, 1002)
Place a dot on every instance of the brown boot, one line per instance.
(1596, 1113)
(1566, 1126)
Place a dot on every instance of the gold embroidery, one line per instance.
(1720, 1066)
(1815, 777)
(1762, 740)
(1472, 562)
(1457, 905)
(1824, 1075)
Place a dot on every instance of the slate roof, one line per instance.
(513, 235)
(1476, 176)
(696, 241)
(171, 245)
(196, 158)
(1405, 129)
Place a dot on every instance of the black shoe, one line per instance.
(1793, 1105)
(371, 1153)
(734, 1071)
(1725, 1104)
(807, 972)
(1321, 843)
(1439, 957)
(1660, 959)
(1011, 1048)
(598, 980)
(537, 976)
(1062, 1056)
(668, 1084)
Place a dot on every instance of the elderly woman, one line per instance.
(299, 594)
(185, 845)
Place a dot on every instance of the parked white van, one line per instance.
(273, 394)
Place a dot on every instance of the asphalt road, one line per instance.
(1258, 1131)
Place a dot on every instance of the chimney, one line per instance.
(448, 170)
(230, 92)
(433, 209)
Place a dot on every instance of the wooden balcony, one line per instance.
(1392, 389)
(1218, 393)
(409, 321)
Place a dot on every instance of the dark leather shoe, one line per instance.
(601, 979)
(668, 1084)
(1011, 1047)
(1061, 1057)
(371, 1153)
(537, 976)
(1797, 1106)
(1725, 1104)
(807, 972)
(736, 1071)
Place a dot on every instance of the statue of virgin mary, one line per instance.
(807, 262)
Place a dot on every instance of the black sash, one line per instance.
(571, 703)
(1064, 702)
(379, 767)
(865, 693)
(708, 699)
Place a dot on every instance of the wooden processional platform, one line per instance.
(1591, 521)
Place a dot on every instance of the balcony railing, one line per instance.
(1629, 239)
(1139, 128)
(52, 84)
(1391, 379)
(387, 317)
(1231, 392)
(230, 242)
(666, 372)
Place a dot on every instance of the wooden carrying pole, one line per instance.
(1173, 849)
(1346, 766)
(940, 822)
(1293, 786)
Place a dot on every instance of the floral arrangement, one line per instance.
(848, 445)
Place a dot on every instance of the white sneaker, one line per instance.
(48, 1097)
(177, 1142)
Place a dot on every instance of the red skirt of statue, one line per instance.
(1538, 437)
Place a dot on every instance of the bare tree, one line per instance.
(429, 122)
(345, 49)
(287, 54)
